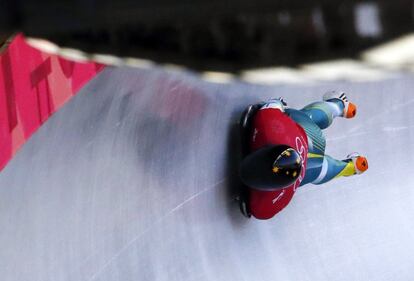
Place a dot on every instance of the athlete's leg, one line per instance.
(321, 169)
(334, 104)
(322, 112)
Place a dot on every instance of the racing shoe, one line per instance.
(360, 162)
(349, 110)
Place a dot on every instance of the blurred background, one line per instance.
(213, 34)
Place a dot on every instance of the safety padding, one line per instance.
(34, 85)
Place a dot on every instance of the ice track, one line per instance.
(134, 179)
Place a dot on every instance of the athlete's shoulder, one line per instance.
(272, 126)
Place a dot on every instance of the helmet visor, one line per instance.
(271, 167)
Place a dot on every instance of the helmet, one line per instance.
(272, 167)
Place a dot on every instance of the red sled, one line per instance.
(264, 130)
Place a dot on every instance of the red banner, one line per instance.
(34, 85)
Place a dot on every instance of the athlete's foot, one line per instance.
(360, 162)
(349, 109)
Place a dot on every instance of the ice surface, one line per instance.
(134, 180)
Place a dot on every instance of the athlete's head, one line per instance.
(271, 167)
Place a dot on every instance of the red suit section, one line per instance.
(271, 126)
(34, 85)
